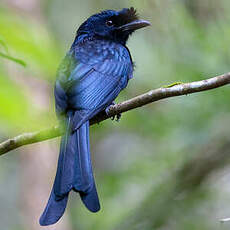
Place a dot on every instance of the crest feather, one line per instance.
(128, 15)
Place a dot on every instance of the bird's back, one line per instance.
(91, 76)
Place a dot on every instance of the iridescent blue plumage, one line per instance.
(94, 71)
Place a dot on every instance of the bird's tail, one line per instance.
(74, 172)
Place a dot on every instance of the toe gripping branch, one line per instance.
(116, 117)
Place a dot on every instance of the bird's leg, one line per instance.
(117, 116)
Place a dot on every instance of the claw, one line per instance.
(118, 116)
(108, 108)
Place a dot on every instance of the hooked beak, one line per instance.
(135, 25)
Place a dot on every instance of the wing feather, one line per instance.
(92, 86)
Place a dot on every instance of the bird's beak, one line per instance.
(135, 25)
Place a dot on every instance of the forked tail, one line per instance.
(74, 172)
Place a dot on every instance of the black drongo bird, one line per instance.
(94, 71)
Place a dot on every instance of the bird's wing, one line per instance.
(91, 87)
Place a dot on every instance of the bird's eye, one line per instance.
(109, 23)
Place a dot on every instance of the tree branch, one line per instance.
(141, 100)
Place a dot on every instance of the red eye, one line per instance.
(109, 23)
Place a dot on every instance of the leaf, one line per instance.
(7, 56)
(32, 42)
(18, 61)
(3, 44)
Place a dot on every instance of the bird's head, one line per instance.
(112, 25)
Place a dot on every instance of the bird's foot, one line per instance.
(108, 108)
(116, 117)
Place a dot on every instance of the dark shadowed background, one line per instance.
(163, 166)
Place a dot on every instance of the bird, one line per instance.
(94, 71)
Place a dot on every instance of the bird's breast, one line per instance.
(95, 51)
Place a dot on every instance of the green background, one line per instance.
(163, 166)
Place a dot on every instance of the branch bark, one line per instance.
(141, 100)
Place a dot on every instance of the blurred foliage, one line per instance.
(7, 56)
(136, 161)
(32, 42)
(20, 62)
